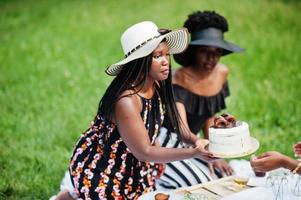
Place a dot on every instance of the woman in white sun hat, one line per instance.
(115, 158)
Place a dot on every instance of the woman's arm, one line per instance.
(187, 136)
(272, 160)
(135, 135)
(207, 125)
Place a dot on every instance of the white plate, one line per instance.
(151, 195)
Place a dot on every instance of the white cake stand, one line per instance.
(254, 147)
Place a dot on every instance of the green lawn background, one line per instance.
(52, 60)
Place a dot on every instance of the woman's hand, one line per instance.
(201, 151)
(222, 166)
(213, 163)
(268, 161)
(297, 149)
(201, 143)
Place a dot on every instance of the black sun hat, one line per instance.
(207, 37)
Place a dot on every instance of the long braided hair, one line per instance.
(133, 76)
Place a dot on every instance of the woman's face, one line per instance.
(207, 57)
(160, 62)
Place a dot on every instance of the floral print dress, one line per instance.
(102, 167)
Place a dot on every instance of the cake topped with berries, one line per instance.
(229, 137)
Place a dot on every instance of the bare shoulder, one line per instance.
(128, 102)
(222, 70)
(177, 76)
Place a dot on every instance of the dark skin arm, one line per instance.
(219, 164)
(273, 160)
(297, 149)
(188, 137)
(208, 124)
(134, 134)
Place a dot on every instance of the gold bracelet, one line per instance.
(297, 168)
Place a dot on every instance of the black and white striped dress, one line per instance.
(180, 173)
(198, 109)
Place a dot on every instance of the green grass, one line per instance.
(52, 60)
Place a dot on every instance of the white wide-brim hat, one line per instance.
(143, 38)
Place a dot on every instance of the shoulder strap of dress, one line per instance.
(142, 100)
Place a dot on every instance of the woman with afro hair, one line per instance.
(200, 87)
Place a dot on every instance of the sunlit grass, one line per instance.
(52, 60)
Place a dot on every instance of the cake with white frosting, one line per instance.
(229, 137)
